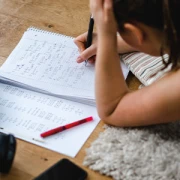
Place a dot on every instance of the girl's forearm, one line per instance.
(110, 84)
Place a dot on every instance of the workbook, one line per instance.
(43, 87)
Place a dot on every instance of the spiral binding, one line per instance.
(48, 32)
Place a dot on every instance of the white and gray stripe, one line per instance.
(145, 67)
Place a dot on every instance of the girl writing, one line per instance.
(149, 26)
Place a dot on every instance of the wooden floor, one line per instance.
(69, 17)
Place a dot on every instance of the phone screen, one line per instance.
(63, 170)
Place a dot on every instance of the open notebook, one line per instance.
(42, 87)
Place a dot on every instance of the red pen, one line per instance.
(68, 126)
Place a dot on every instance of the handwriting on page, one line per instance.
(46, 62)
(32, 112)
(53, 64)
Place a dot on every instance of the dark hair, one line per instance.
(160, 14)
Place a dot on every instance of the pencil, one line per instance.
(90, 34)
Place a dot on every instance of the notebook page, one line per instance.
(27, 114)
(48, 61)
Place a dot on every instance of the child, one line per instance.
(151, 27)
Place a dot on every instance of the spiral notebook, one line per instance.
(42, 87)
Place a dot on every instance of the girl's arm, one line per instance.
(158, 103)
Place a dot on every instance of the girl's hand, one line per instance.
(103, 14)
(89, 53)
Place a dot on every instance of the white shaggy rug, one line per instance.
(148, 153)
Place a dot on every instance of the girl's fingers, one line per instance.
(108, 7)
(87, 53)
(101, 4)
(96, 3)
(80, 41)
(108, 4)
(92, 60)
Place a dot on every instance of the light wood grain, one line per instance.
(66, 17)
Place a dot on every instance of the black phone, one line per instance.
(63, 170)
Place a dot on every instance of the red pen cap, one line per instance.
(89, 118)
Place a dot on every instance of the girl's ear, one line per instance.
(133, 35)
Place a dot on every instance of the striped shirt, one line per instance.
(145, 67)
